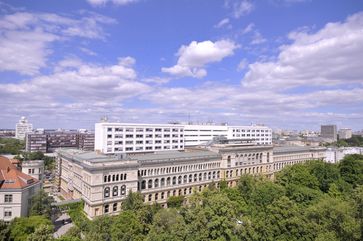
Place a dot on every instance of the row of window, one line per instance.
(115, 177)
(142, 142)
(120, 129)
(106, 208)
(115, 191)
(243, 130)
(178, 169)
(179, 180)
(119, 136)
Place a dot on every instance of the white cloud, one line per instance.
(222, 23)
(257, 38)
(25, 38)
(242, 64)
(330, 56)
(248, 28)
(116, 2)
(193, 58)
(239, 7)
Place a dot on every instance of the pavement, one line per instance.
(62, 225)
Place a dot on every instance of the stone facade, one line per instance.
(103, 182)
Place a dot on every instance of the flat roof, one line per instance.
(287, 149)
(94, 160)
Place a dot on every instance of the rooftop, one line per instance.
(11, 177)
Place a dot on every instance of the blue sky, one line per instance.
(291, 64)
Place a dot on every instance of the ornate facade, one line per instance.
(103, 182)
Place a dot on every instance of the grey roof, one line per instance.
(93, 160)
(175, 156)
(287, 149)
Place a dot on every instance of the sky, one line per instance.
(288, 64)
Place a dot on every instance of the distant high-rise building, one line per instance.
(345, 133)
(49, 140)
(329, 132)
(22, 127)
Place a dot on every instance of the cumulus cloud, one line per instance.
(25, 38)
(330, 56)
(193, 58)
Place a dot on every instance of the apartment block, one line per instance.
(329, 132)
(49, 140)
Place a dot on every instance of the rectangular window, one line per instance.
(109, 129)
(8, 198)
(7, 212)
(139, 130)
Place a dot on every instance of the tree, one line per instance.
(4, 231)
(100, 229)
(175, 201)
(127, 226)
(214, 218)
(168, 225)
(326, 173)
(133, 201)
(21, 228)
(41, 204)
(298, 174)
(246, 186)
(351, 169)
(335, 215)
(42, 233)
(266, 192)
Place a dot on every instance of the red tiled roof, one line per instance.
(11, 177)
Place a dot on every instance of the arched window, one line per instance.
(114, 207)
(149, 197)
(150, 184)
(174, 180)
(106, 192)
(156, 196)
(106, 208)
(229, 161)
(200, 177)
(109, 178)
(195, 177)
(123, 190)
(113, 177)
(115, 191)
(185, 180)
(156, 183)
(205, 176)
(168, 181)
(105, 179)
(125, 176)
(162, 182)
(117, 177)
(190, 177)
(143, 185)
(179, 179)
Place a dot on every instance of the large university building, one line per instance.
(202, 134)
(103, 181)
(137, 138)
(141, 138)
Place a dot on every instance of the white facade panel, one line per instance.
(138, 138)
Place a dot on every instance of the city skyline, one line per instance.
(284, 63)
